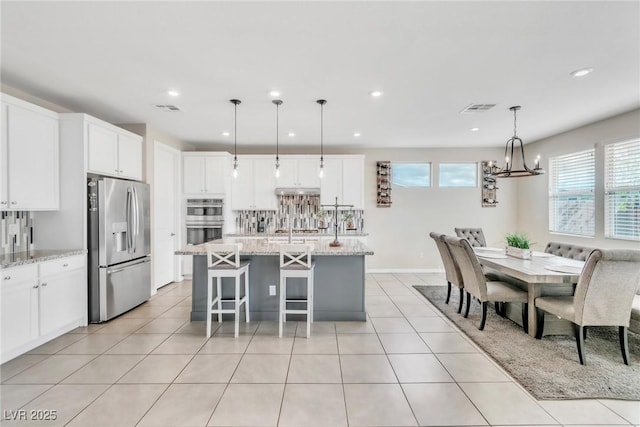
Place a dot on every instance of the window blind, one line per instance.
(622, 190)
(571, 193)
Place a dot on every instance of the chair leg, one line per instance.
(461, 301)
(448, 292)
(525, 317)
(484, 315)
(540, 322)
(584, 333)
(580, 342)
(209, 291)
(624, 344)
(466, 311)
(309, 300)
(282, 305)
(246, 295)
(236, 315)
(219, 295)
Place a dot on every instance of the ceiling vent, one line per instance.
(476, 108)
(168, 108)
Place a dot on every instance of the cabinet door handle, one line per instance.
(120, 171)
(172, 234)
(6, 278)
(35, 286)
(4, 202)
(115, 170)
(65, 265)
(44, 284)
(14, 203)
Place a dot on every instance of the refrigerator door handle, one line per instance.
(136, 216)
(129, 222)
(117, 270)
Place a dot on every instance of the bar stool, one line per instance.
(295, 262)
(223, 260)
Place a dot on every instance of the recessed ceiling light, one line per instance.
(475, 129)
(274, 93)
(376, 93)
(292, 134)
(356, 134)
(581, 72)
(173, 92)
(225, 134)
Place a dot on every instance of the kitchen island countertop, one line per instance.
(252, 247)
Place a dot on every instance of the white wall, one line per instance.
(532, 193)
(399, 235)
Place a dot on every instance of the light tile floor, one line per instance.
(407, 365)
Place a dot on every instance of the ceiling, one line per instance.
(116, 60)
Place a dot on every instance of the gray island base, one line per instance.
(339, 280)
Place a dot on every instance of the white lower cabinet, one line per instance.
(40, 302)
(19, 293)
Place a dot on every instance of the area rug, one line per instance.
(549, 368)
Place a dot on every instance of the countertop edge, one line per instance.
(35, 258)
(320, 253)
(297, 235)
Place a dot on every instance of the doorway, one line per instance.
(166, 179)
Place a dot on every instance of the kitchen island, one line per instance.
(339, 278)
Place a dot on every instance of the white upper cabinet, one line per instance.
(254, 188)
(308, 172)
(288, 173)
(344, 179)
(130, 156)
(29, 157)
(264, 184)
(331, 182)
(353, 182)
(299, 172)
(205, 173)
(113, 151)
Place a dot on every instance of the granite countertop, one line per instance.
(298, 234)
(22, 258)
(269, 247)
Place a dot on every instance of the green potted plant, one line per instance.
(518, 245)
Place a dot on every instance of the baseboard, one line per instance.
(404, 270)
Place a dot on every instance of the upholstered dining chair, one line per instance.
(475, 236)
(451, 270)
(477, 285)
(603, 297)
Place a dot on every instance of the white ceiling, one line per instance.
(115, 60)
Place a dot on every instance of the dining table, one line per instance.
(540, 274)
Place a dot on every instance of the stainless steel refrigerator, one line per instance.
(119, 246)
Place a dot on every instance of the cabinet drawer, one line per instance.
(61, 265)
(19, 274)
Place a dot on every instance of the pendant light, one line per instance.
(321, 102)
(508, 171)
(235, 103)
(278, 103)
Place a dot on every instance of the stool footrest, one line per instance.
(296, 311)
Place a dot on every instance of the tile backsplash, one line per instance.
(16, 232)
(304, 212)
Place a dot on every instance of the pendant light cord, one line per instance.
(321, 132)
(235, 132)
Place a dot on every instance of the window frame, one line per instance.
(476, 175)
(554, 194)
(394, 174)
(610, 189)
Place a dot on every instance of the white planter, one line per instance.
(518, 253)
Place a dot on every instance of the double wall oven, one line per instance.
(204, 220)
